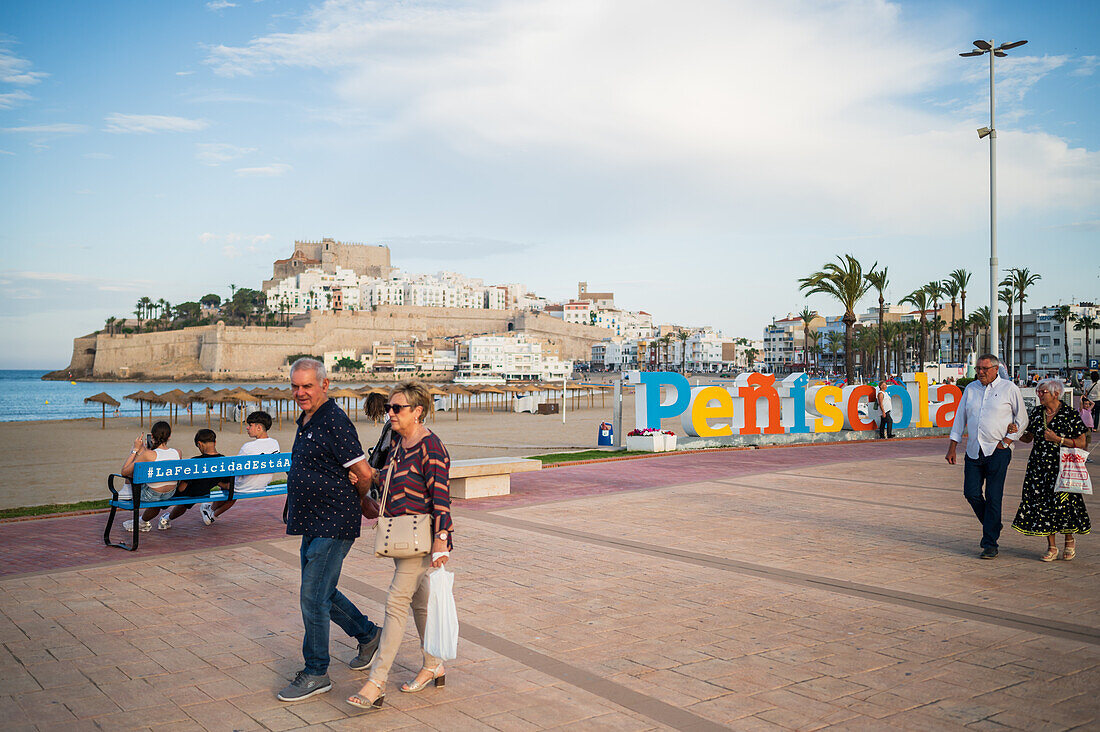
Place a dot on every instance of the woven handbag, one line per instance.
(401, 537)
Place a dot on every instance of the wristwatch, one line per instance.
(442, 536)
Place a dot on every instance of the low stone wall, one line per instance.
(810, 438)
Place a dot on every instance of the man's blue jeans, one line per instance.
(322, 560)
(990, 469)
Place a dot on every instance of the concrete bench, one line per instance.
(487, 476)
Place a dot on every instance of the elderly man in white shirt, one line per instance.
(991, 411)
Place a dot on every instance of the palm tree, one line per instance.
(845, 283)
(1021, 278)
(935, 292)
(1064, 315)
(866, 341)
(887, 342)
(682, 336)
(833, 340)
(951, 289)
(878, 279)
(1008, 296)
(919, 299)
(665, 340)
(978, 320)
(961, 278)
(807, 317)
(1086, 323)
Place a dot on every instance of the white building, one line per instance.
(375, 292)
(515, 357)
(315, 289)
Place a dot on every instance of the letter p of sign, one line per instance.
(649, 408)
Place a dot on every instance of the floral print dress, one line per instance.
(1042, 511)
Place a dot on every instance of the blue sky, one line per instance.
(695, 157)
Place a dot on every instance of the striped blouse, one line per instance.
(420, 482)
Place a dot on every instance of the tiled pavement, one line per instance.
(773, 589)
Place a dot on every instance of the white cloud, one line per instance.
(16, 70)
(65, 279)
(216, 153)
(265, 171)
(817, 106)
(184, 73)
(233, 242)
(144, 123)
(220, 5)
(1086, 66)
(14, 99)
(6, 152)
(58, 128)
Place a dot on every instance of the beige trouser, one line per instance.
(409, 588)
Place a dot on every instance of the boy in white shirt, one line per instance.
(257, 424)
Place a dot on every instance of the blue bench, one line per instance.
(225, 467)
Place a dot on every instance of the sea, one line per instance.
(25, 397)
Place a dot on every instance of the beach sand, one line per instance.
(66, 461)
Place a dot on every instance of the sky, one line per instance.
(696, 158)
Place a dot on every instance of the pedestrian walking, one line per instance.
(1052, 424)
(990, 411)
(416, 482)
(325, 509)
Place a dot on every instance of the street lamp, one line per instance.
(982, 48)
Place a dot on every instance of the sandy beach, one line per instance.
(65, 461)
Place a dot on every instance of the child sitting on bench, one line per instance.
(206, 440)
(257, 424)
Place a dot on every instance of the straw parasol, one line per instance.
(347, 394)
(103, 399)
(139, 397)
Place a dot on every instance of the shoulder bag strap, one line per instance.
(386, 490)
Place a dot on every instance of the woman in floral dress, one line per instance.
(1052, 425)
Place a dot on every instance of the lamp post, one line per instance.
(982, 48)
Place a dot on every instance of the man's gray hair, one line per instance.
(1054, 386)
(309, 363)
(989, 357)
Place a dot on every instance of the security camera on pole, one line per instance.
(984, 47)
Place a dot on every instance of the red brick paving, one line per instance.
(75, 541)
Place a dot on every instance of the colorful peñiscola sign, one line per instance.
(756, 404)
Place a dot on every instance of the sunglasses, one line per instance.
(395, 408)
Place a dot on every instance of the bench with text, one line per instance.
(176, 470)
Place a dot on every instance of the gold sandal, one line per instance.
(1051, 555)
(440, 679)
(358, 700)
(1069, 552)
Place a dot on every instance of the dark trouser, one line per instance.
(1096, 414)
(322, 560)
(991, 470)
(886, 425)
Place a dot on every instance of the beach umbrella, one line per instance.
(139, 397)
(347, 395)
(103, 399)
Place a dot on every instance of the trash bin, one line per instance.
(606, 435)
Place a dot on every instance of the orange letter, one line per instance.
(761, 386)
(854, 419)
(948, 407)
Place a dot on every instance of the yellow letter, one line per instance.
(704, 407)
(921, 407)
(828, 409)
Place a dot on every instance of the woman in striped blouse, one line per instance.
(418, 485)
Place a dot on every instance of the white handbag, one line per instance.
(1073, 476)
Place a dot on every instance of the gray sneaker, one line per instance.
(367, 652)
(304, 686)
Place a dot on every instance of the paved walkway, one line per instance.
(796, 588)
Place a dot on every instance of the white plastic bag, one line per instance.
(441, 629)
(1073, 476)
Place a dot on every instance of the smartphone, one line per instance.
(149, 441)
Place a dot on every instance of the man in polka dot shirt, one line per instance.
(324, 508)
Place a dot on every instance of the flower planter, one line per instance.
(645, 443)
(669, 443)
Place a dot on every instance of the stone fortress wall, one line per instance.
(259, 352)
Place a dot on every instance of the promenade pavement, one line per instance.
(798, 588)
